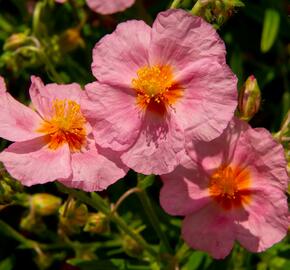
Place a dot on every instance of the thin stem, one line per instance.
(123, 197)
(98, 203)
(152, 216)
(175, 3)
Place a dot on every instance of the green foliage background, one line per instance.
(257, 41)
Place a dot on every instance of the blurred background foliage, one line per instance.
(55, 42)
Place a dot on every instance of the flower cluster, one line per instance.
(164, 104)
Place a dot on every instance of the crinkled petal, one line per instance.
(109, 6)
(267, 221)
(209, 101)
(95, 170)
(42, 95)
(115, 118)
(118, 56)
(209, 230)
(184, 191)
(258, 150)
(155, 150)
(32, 162)
(178, 39)
(17, 122)
(220, 151)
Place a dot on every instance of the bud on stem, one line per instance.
(249, 99)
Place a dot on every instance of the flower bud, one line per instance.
(15, 41)
(73, 215)
(97, 223)
(131, 247)
(249, 99)
(70, 40)
(45, 204)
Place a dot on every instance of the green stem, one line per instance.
(196, 8)
(98, 203)
(9, 231)
(175, 3)
(151, 214)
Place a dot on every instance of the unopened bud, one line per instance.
(5, 192)
(97, 223)
(70, 40)
(131, 247)
(15, 41)
(73, 216)
(45, 204)
(249, 99)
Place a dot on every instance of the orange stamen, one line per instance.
(67, 125)
(229, 187)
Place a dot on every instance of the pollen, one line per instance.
(156, 89)
(229, 186)
(66, 125)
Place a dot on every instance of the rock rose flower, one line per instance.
(54, 141)
(232, 189)
(155, 85)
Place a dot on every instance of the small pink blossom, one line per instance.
(109, 6)
(155, 85)
(54, 141)
(106, 7)
(232, 189)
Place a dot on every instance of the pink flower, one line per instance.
(107, 7)
(54, 141)
(155, 84)
(232, 189)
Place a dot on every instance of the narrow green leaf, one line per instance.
(270, 29)
(8, 263)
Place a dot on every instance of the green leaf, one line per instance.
(195, 260)
(7, 264)
(270, 29)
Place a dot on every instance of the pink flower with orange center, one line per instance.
(54, 141)
(156, 86)
(230, 189)
(107, 7)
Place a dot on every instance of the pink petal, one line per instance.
(209, 101)
(211, 155)
(209, 230)
(179, 39)
(95, 170)
(267, 222)
(184, 191)
(109, 6)
(115, 118)
(17, 122)
(118, 56)
(258, 150)
(42, 95)
(155, 150)
(32, 162)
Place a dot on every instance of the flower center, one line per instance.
(229, 186)
(67, 125)
(156, 88)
